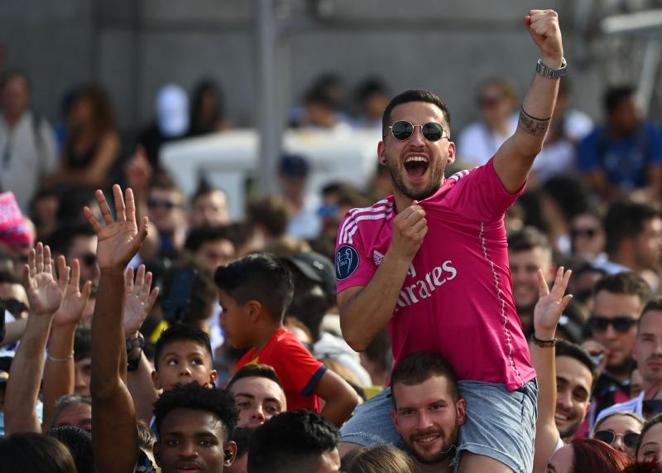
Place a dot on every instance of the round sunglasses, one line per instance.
(630, 438)
(402, 130)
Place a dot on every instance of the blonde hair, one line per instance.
(382, 459)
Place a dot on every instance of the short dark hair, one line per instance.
(7, 277)
(181, 333)
(626, 219)
(527, 239)
(291, 441)
(82, 343)
(654, 304)
(616, 95)
(574, 351)
(255, 371)
(419, 366)
(272, 213)
(414, 96)
(34, 453)
(198, 236)
(242, 437)
(193, 396)
(63, 237)
(627, 282)
(261, 277)
(79, 443)
(203, 189)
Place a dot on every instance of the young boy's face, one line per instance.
(183, 362)
(235, 321)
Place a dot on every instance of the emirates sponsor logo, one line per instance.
(424, 288)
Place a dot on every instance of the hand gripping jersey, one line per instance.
(457, 297)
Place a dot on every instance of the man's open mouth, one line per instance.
(416, 165)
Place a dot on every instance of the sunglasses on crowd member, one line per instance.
(14, 306)
(156, 203)
(583, 232)
(630, 438)
(652, 407)
(402, 130)
(621, 323)
(89, 259)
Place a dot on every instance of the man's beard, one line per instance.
(399, 184)
(571, 430)
(447, 450)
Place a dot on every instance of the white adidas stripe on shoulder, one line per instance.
(460, 174)
(378, 207)
(351, 230)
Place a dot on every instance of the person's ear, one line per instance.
(380, 153)
(229, 453)
(461, 410)
(451, 153)
(394, 417)
(213, 376)
(254, 309)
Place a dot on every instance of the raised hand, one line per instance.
(551, 304)
(120, 239)
(138, 299)
(543, 26)
(43, 288)
(74, 301)
(409, 229)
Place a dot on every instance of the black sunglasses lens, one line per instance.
(402, 130)
(605, 436)
(89, 260)
(599, 324)
(622, 324)
(631, 439)
(432, 131)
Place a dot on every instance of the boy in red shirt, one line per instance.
(255, 292)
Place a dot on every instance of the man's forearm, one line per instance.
(107, 335)
(25, 377)
(59, 371)
(370, 310)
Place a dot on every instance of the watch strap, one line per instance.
(551, 73)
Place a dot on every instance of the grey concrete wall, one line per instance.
(134, 46)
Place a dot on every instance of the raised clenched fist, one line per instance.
(543, 26)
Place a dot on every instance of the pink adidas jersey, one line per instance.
(457, 298)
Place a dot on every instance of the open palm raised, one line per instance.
(43, 288)
(120, 238)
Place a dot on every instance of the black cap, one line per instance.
(316, 267)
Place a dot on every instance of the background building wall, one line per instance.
(134, 46)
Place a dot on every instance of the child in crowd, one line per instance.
(254, 293)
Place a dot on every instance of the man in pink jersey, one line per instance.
(430, 263)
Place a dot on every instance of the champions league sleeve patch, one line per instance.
(347, 260)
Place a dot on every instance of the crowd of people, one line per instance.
(497, 309)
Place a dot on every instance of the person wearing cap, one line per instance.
(314, 300)
(293, 172)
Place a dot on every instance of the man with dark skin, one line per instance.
(115, 438)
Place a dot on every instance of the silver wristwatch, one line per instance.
(550, 73)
